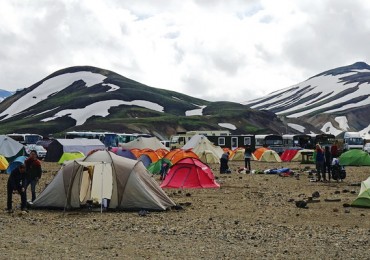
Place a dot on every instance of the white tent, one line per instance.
(125, 183)
(270, 156)
(144, 143)
(9, 147)
(206, 151)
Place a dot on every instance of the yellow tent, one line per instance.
(3, 163)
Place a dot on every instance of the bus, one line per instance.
(233, 141)
(125, 138)
(107, 138)
(274, 142)
(181, 138)
(26, 139)
(296, 141)
(322, 139)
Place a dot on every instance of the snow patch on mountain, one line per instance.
(227, 125)
(195, 112)
(112, 87)
(50, 87)
(365, 133)
(81, 115)
(343, 122)
(328, 128)
(299, 128)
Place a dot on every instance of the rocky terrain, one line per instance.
(250, 216)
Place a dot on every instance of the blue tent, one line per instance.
(18, 161)
(126, 153)
(145, 159)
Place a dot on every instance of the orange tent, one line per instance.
(137, 152)
(258, 152)
(154, 157)
(161, 152)
(177, 154)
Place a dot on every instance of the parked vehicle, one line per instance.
(366, 147)
(352, 140)
(41, 151)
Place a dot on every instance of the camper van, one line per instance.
(352, 140)
(181, 138)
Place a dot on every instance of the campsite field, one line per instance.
(250, 216)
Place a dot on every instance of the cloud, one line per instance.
(218, 50)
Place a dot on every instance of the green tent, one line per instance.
(363, 199)
(355, 157)
(155, 168)
(70, 156)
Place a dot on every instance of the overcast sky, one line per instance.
(232, 50)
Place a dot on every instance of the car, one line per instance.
(366, 147)
(41, 151)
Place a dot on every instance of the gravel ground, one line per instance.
(250, 216)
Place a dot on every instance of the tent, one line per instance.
(177, 154)
(14, 164)
(68, 156)
(363, 199)
(258, 152)
(3, 163)
(288, 155)
(190, 173)
(145, 159)
(145, 142)
(152, 154)
(102, 176)
(59, 146)
(162, 152)
(270, 156)
(155, 168)
(354, 157)
(202, 147)
(298, 157)
(125, 153)
(10, 148)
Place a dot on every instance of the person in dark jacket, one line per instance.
(327, 164)
(33, 172)
(247, 158)
(224, 160)
(320, 160)
(17, 183)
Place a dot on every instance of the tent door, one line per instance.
(102, 182)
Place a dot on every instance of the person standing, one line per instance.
(247, 158)
(33, 172)
(328, 162)
(320, 160)
(17, 183)
(224, 160)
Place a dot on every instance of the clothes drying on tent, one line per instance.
(104, 176)
(190, 173)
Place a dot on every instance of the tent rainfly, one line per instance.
(363, 199)
(104, 176)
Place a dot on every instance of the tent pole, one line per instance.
(101, 190)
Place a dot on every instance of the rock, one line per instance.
(316, 194)
(345, 191)
(301, 204)
(346, 205)
(188, 194)
(290, 200)
(353, 192)
(337, 192)
(335, 210)
(347, 211)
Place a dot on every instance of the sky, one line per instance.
(218, 50)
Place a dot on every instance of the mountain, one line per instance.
(89, 98)
(334, 101)
(4, 94)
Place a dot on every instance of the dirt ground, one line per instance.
(250, 216)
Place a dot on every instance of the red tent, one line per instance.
(190, 173)
(288, 155)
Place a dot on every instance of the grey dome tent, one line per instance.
(10, 148)
(59, 146)
(104, 175)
